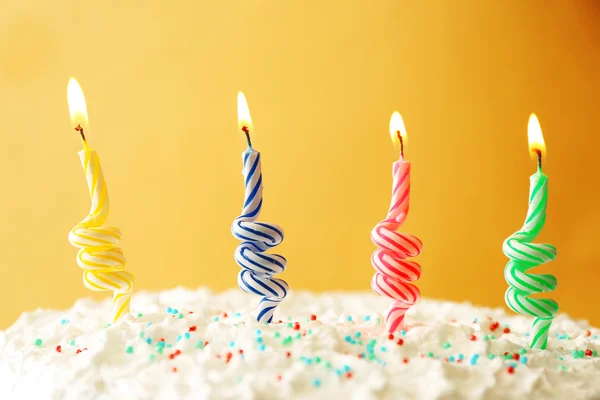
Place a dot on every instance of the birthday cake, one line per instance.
(181, 344)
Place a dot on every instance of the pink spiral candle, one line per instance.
(394, 273)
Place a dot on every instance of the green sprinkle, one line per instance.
(309, 331)
(328, 365)
(317, 360)
(298, 335)
(447, 345)
(430, 354)
(493, 337)
(560, 358)
(200, 345)
(289, 325)
(38, 342)
(491, 356)
(180, 316)
(160, 350)
(522, 351)
(215, 319)
(594, 353)
(152, 357)
(72, 342)
(129, 350)
(139, 315)
(141, 334)
(277, 335)
(486, 337)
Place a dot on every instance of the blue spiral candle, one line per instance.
(258, 267)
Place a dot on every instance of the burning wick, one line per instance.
(79, 129)
(401, 143)
(539, 156)
(247, 132)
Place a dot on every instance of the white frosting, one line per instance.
(107, 371)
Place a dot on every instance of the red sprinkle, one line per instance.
(177, 352)
(228, 358)
(78, 351)
(241, 351)
(205, 344)
(589, 353)
(225, 315)
(219, 356)
(193, 328)
(494, 326)
(588, 333)
(473, 338)
(516, 356)
(171, 356)
(162, 339)
(510, 370)
(191, 312)
(313, 317)
(400, 342)
(58, 348)
(506, 353)
(459, 361)
(405, 361)
(288, 354)
(349, 375)
(296, 326)
(391, 336)
(506, 330)
(279, 377)
(360, 356)
(174, 369)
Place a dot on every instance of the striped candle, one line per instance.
(393, 271)
(258, 267)
(525, 255)
(99, 255)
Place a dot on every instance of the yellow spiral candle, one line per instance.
(99, 253)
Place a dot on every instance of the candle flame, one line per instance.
(77, 106)
(397, 129)
(244, 119)
(535, 137)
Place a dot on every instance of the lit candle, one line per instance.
(258, 267)
(393, 271)
(525, 255)
(99, 255)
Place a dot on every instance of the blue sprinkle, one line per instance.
(338, 371)
(178, 338)
(169, 346)
(231, 344)
(348, 339)
(357, 334)
(460, 356)
(317, 383)
(474, 359)
(261, 347)
(259, 339)
(513, 364)
(523, 360)
(237, 314)
(187, 335)
(383, 349)
(148, 340)
(403, 332)
(475, 320)
(451, 358)
(349, 318)
(149, 323)
(526, 333)
(368, 318)
(169, 310)
(363, 355)
(64, 321)
(595, 337)
(346, 368)
(175, 311)
(258, 332)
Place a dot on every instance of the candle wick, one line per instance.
(247, 132)
(79, 129)
(401, 143)
(539, 157)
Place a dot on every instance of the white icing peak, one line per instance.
(328, 357)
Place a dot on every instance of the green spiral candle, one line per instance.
(525, 255)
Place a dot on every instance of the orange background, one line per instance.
(321, 79)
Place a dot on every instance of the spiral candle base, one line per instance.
(524, 256)
(257, 266)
